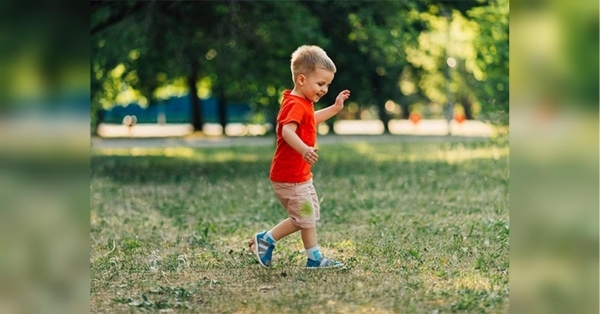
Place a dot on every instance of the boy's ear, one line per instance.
(301, 79)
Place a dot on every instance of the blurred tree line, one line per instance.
(435, 58)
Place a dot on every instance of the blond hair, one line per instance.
(307, 59)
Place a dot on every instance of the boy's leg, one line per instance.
(302, 205)
(283, 229)
(309, 237)
(314, 257)
(265, 241)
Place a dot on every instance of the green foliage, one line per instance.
(241, 49)
(492, 49)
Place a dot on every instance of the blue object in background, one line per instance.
(178, 110)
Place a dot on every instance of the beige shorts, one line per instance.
(301, 202)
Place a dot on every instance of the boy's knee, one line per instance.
(304, 223)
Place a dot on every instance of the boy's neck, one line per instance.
(296, 92)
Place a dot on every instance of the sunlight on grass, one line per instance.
(364, 148)
(179, 152)
(231, 156)
(452, 156)
(345, 245)
(182, 152)
(470, 280)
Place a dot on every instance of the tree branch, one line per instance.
(117, 17)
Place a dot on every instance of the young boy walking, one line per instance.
(295, 153)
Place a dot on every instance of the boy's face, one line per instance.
(315, 85)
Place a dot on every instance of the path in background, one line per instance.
(345, 127)
(223, 141)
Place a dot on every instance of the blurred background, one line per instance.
(220, 67)
(65, 68)
(554, 156)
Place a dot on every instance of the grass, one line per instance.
(422, 225)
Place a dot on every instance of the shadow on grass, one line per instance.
(161, 169)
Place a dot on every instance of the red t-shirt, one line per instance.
(288, 165)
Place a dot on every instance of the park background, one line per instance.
(440, 64)
(45, 151)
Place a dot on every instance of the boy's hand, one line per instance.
(310, 155)
(341, 97)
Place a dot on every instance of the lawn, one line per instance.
(422, 225)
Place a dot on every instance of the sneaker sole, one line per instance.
(256, 251)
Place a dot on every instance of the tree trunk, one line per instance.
(406, 101)
(197, 120)
(222, 108)
(467, 105)
(377, 83)
(449, 106)
(405, 109)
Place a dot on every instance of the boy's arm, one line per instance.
(289, 135)
(326, 113)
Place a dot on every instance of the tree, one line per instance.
(224, 41)
(260, 36)
(240, 51)
(449, 57)
(111, 59)
(354, 34)
(371, 43)
(492, 46)
(155, 43)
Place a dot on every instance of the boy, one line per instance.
(290, 174)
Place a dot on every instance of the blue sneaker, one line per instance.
(323, 263)
(263, 250)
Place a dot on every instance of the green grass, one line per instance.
(422, 225)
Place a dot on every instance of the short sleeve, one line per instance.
(292, 112)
